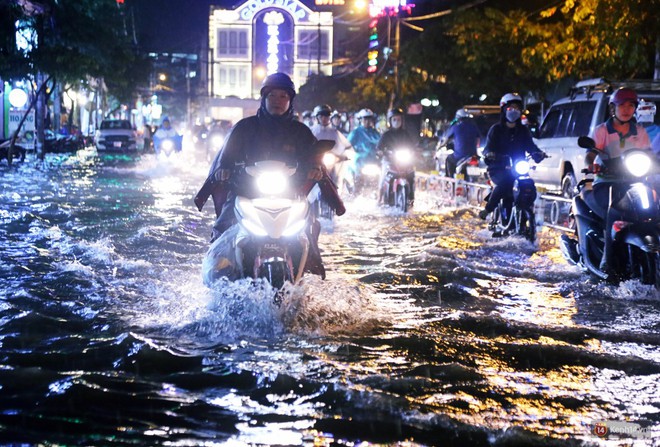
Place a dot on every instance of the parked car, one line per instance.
(116, 135)
(484, 117)
(577, 114)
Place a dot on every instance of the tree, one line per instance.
(74, 42)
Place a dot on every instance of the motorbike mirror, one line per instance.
(586, 142)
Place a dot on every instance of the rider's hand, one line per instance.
(538, 157)
(222, 175)
(315, 173)
(489, 158)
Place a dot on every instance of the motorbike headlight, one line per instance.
(329, 159)
(272, 183)
(637, 163)
(371, 170)
(522, 167)
(403, 156)
(168, 145)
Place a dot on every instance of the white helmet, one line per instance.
(462, 113)
(509, 98)
(365, 113)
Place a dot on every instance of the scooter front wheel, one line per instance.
(401, 198)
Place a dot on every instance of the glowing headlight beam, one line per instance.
(272, 183)
(522, 167)
(638, 164)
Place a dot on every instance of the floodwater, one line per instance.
(425, 332)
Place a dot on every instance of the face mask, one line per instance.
(512, 115)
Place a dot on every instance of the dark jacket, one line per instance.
(513, 142)
(395, 139)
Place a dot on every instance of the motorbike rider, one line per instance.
(395, 137)
(164, 131)
(364, 138)
(612, 138)
(507, 139)
(335, 120)
(308, 118)
(466, 137)
(271, 134)
(324, 130)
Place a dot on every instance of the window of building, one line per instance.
(232, 43)
(308, 45)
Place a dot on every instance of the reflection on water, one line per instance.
(426, 329)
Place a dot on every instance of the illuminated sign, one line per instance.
(372, 55)
(329, 2)
(273, 20)
(392, 7)
(294, 7)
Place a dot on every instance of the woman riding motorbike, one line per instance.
(612, 139)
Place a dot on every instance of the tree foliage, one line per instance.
(75, 41)
(490, 51)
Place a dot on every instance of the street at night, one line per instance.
(426, 330)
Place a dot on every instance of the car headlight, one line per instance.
(637, 163)
(522, 167)
(272, 183)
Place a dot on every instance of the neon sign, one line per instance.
(273, 20)
(294, 7)
(379, 8)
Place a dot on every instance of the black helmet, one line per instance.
(322, 109)
(278, 80)
(394, 112)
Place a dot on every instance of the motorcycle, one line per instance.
(167, 145)
(275, 237)
(335, 166)
(469, 170)
(636, 236)
(520, 217)
(398, 182)
(366, 172)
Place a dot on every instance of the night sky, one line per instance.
(182, 25)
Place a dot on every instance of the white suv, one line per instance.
(577, 114)
(116, 135)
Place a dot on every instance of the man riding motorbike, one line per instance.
(466, 137)
(395, 138)
(612, 139)
(507, 140)
(272, 134)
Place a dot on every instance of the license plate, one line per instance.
(116, 144)
(473, 170)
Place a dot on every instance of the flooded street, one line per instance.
(426, 331)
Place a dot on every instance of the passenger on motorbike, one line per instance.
(507, 140)
(612, 139)
(364, 139)
(272, 134)
(337, 123)
(343, 150)
(396, 137)
(466, 137)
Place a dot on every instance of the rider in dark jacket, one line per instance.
(396, 137)
(508, 139)
(272, 134)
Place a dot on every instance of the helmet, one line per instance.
(365, 113)
(624, 94)
(393, 112)
(335, 114)
(509, 98)
(322, 109)
(278, 80)
(462, 113)
(307, 114)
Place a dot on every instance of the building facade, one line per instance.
(260, 37)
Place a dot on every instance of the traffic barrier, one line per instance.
(552, 211)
